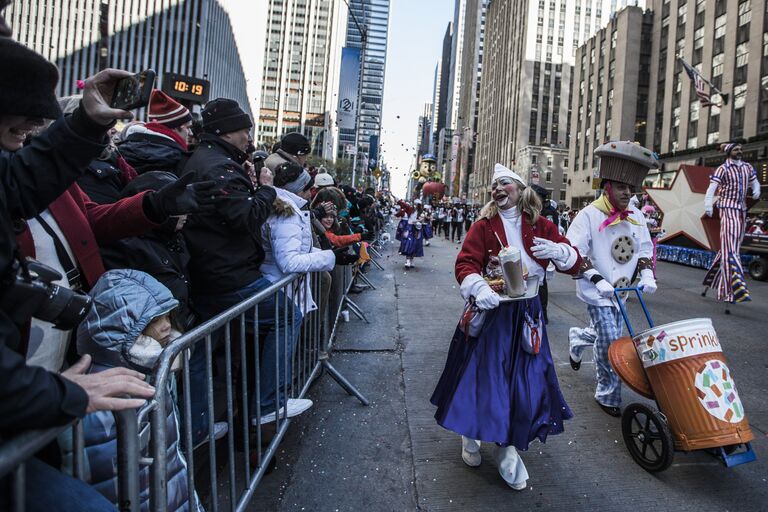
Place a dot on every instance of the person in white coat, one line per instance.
(614, 242)
(289, 249)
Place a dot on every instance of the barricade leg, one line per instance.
(127, 461)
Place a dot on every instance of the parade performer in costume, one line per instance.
(499, 383)
(427, 224)
(614, 241)
(731, 181)
(412, 233)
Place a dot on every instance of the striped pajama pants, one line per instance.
(726, 274)
(607, 322)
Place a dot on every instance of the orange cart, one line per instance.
(682, 368)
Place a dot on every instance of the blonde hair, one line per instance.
(529, 204)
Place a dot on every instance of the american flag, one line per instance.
(699, 83)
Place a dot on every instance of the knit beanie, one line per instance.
(223, 115)
(295, 144)
(165, 110)
(28, 82)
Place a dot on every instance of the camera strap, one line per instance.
(70, 269)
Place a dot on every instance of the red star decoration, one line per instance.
(683, 207)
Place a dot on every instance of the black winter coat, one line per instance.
(102, 182)
(225, 244)
(153, 152)
(30, 179)
(161, 253)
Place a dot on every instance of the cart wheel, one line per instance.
(758, 269)
(647, 437)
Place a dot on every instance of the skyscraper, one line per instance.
(187, 37)
(441, 131)
(425, 130)
(472, 65)
(301, 72)
(525, 89)
(373, 17)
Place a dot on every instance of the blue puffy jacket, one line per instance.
(125, 302)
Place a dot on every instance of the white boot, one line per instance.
(470, 452)
(511, 468)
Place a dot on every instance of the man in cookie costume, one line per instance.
(731, 181)
(615, 245)
(499, 384)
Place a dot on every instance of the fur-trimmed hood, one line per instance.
(286, 203)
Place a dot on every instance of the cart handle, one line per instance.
(623, 309)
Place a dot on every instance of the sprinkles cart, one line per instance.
(681, 366)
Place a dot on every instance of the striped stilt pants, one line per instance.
(726, 274)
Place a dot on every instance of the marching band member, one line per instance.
(614, 241)
(499, 383)
(731, 181)
(412, 234)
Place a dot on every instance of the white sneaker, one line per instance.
(220, 429)
(426, 243)
(470, 452)
(296, 406)
(511, 468)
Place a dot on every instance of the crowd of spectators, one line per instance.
(163, 224)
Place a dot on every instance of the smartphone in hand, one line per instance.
(134, 91)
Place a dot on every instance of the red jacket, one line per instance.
(481, 243)
(86, 224)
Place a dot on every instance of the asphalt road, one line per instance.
(392, 456)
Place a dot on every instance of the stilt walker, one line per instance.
(615, 245)
(732, 182)
(499, 383)
(412, 234)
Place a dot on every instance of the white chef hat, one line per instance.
(500, 171)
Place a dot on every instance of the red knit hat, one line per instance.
(165, 110)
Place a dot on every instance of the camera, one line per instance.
(29, 292)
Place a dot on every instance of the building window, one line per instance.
(548, 176)
(534, 159)
(565, 162)
(565, 178)
(549, 161)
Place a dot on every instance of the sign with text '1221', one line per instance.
(187, 88)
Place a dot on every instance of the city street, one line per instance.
(392, 456)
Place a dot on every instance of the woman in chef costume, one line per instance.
(499, 383)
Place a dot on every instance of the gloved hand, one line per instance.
(647, 281)
(487, 298)
(343, 257)
(544, 249)
(605, 289)
(182, 197)
(708, 209)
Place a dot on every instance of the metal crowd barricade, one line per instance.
(246, 459)
(17, 450)
(225, 340)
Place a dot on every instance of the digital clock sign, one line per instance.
(187, 88)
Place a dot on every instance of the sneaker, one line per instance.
(220, 429)
(426, 243)
(470, 452)
(296, 406)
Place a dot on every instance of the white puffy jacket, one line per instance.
(290, 249)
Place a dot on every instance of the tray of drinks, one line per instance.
(531, 290)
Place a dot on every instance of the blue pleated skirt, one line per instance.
(427, 231)
(401, 227)
(493, 390)
(412, 244)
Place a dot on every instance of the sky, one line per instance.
(416, 30)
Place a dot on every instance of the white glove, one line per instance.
(709, 199)
(647, 281)
(544, 249)
(605, 289)
(708, 210)
(487, 298)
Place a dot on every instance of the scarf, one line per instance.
(615, 216)
(168, 132)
